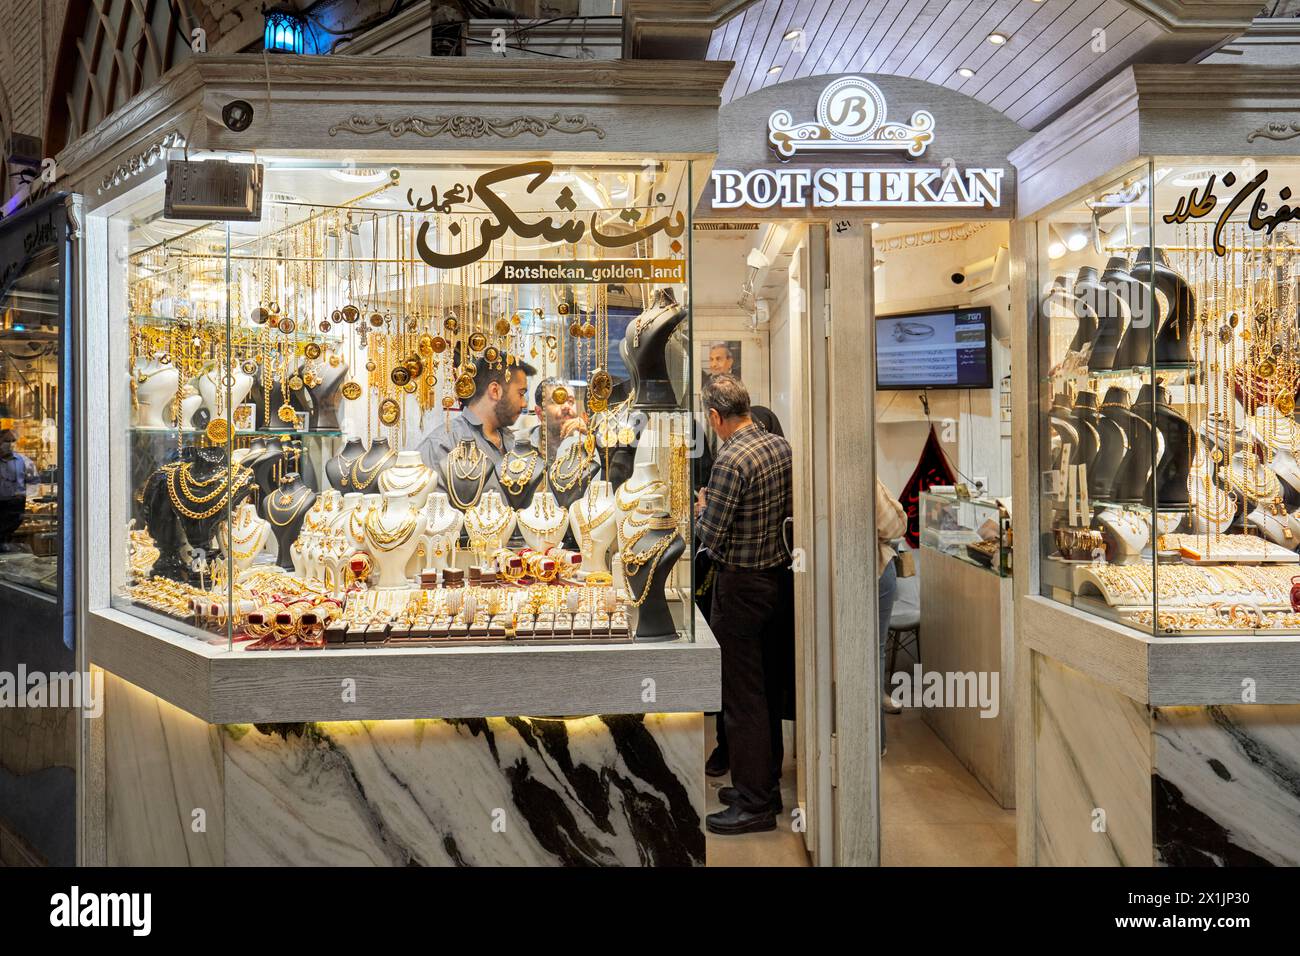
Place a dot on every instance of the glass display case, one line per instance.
(1170, 492)
(974, 530)
(413, 405)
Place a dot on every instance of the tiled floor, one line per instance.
(933, 812)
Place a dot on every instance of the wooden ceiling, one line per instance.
(1049, 62)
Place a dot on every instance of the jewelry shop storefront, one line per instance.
(337, 621)
(1159, 605)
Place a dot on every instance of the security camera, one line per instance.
(958, 278)
(237, 115)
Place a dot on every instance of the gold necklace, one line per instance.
(345, 464)
(514, 478)
(652, 556)
(555, 513)
(456, 500)
(586, 526)
(389, 480)
(465, 460)
(628, 504)
(386, 540)
(302, 505)
(483, 526)
(562, 479)
(369, 473)
(240, 478)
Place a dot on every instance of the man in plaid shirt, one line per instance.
(741, 522)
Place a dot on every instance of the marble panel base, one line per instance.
(1118, 782)
(498, 791)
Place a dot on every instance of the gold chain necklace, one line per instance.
(386, 540)
(514, 478)
(628, 504)
(240, 478)
(586, 526)
(465, 460)
(547, 512)
(652, 556)
(302, 504)
(483, 526)
(1253, 486)
(357, 471)
(389, 480)
(562, 479)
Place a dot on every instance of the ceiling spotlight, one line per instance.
(1055, 250)
(774, 71)
(997, 39)
(793, 35)
(965, 72)
(1076, 241)
(875, 225)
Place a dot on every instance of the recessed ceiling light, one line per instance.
(792, 35)
(1076, 241)
(774, 71)
(966, 72)
(997, 39)
(1055, 250)
(875, 225)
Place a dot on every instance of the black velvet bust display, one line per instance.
(617, 459)
(1085, 417)
(522, 451)
(1173, 345)
(170, 529)
(286, 508)
(654, 619)
(1064, 426)
(363, 475)
(1113, 427)
(1144, 316)
(338, 470)
(1093, 296)
(577, 488)
(464, 493)
(1132, 482)
(645, 352)
(267, 418)
(281, 457)
(1169, 480)
(1086, 328)
(325, 397)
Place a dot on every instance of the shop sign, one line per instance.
(1192, 206)
(850, 118)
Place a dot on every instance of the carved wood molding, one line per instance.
(674, 29)
(929, 237)
(1274, 131)
(464, 125)
(137, 163)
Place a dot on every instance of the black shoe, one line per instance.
(718, 764)
(729, 796)
(735, 820)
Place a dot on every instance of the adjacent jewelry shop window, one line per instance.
(1171, 493)
(33, 247)
(330, 409)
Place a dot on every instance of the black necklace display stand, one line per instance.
(338, 470)
(1174, 345)
(464, 493)
(325, 397)
(1131, 482)
(654, 619)
(171, 530)
(522, 450)
(645, 352)
(360, 476)
(1113, 427)
(286, 508)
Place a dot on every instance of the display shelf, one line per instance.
(240, 433)
(301, 333)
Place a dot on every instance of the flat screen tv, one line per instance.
(939, 348)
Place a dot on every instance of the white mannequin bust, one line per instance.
(409, 475)
(644, 481)
(1282, 435)
(1130, 531)
(1277, 528)
(543, 522)
(249, 535)
(442, 529)
(213, 392)
(489, 523)
(394, 531)
(155, 390)
(1210, 513)
(593, 517)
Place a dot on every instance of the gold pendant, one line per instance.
(351, 390)
(477, 342)
(502, 327)
(287, 325)
(560, 395)
(465, 387)
(312, 350)
(218, 431)
(1285, 404)
(389, 411)
(439, 345)
(1266, 368)
(295, 383)
(286, 414)
(400, 375)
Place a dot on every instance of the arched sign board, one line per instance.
(861, 147)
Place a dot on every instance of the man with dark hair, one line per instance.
(500, 396)
(559, 419)
(742, 525)
(721, 361)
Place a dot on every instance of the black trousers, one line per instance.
(753, 620)
(11, 516)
